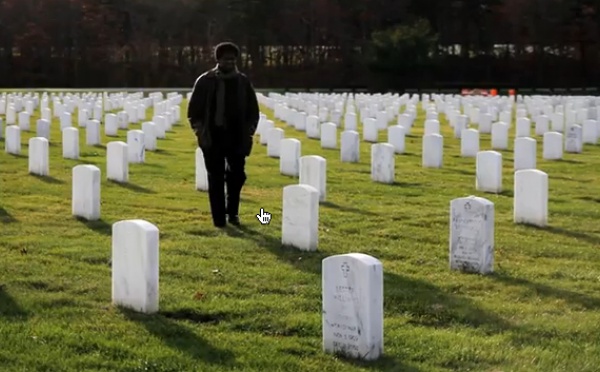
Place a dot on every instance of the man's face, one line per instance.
(227, 62)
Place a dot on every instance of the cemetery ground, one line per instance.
(234, 299)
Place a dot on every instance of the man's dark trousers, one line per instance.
(224, 169)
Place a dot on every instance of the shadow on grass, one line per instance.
(168, 327)
(163, 152)
(462, 171)
(588, 302)
(152, 165)
(508, 193)
(590, 199)
(19, 156)
(384, 363)
(405, 184)
(6, 217)
(570, 161)
(304, 261)
(48, 179)
(99, 226)
(568, 233)
(342, 208)
(132, 187)
(9, 308)
(410, 154)
(426, 304)
(432, 306)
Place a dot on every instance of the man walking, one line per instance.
(223, 112)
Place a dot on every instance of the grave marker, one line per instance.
(472, 235)
(352, 286)
(300, 222)
(85, 199)
(135, 265)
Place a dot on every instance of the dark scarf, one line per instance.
(220, 101)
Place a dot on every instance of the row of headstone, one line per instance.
(352, 284)
(590, 130)
(472, 221)
(352, 289)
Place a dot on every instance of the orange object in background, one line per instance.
(493, 92)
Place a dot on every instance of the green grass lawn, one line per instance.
(235, 300)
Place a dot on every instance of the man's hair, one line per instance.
(226, 47)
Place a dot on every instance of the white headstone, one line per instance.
(82, 118)
(201, 173)
(111, 125)
(92, 133)
(396, 138)
(542, 125)
(525, 153)
(506, 117)
(24, 121)
(553, 146)
(381, 120)
(46, 114)
(462, 123)
(352, 312)
(432, 127)
(12, 143)
(300, 225)
(11, 115)
(289, 158)
(39, 156)
(523, 127)
(370, 130)
(136, 145)
(433, 151)
(117, 161)
(489, 172)
(590, 132)
(574, 139)
(300, 121)
(274, 137)
(313, 172)
(472, 235)
(135, 265)
(86, 192)
(558, 122)
(382, 163)
(123, 119)
(42, 128)
(313, 125)
(350, 121)
(485, 123)
(264, 135)
(65, 120)
(531, 197)
(500, 136)
(469, 143)
(328, 136)
(70, 143)
(350, 147)
(149, 129)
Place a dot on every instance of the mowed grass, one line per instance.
(236, 300)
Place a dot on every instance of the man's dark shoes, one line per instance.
(234, 220)
(220, 223)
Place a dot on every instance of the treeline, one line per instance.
(331, 44)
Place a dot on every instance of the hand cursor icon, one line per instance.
(264, 217)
